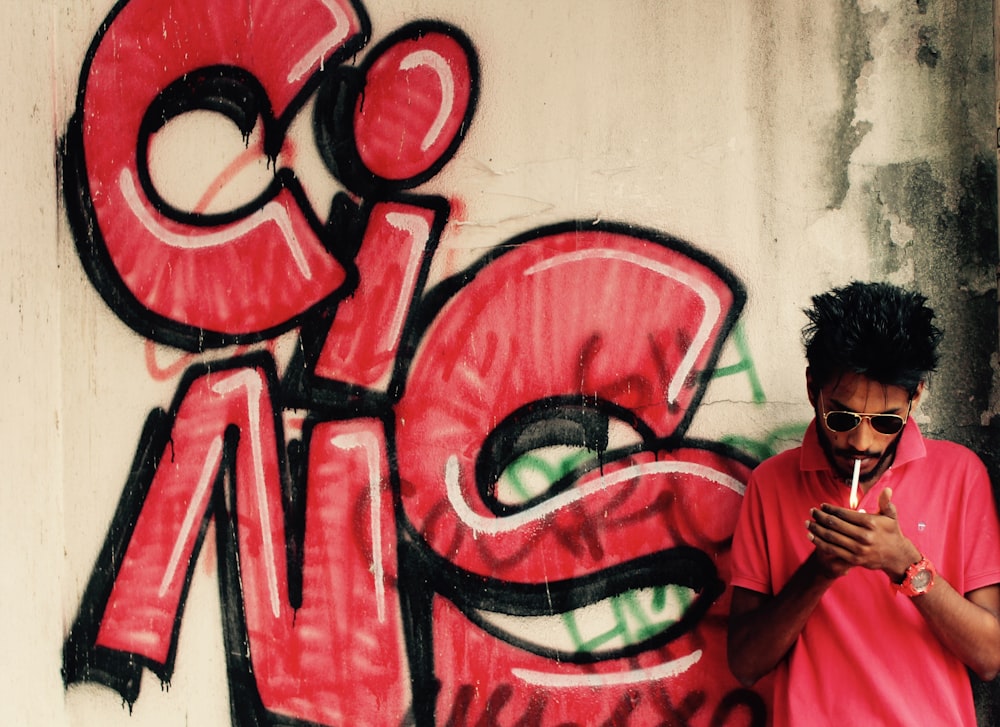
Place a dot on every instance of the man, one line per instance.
(867, 616)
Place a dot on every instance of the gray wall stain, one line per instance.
(847, 134)
(933, 217)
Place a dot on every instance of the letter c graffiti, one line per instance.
(186, 278)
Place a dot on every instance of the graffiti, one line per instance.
(774, 441)
(745, 365)
(781, 437)
(490, 512)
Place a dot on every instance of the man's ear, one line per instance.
(915, 399)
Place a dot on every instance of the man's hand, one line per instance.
(845, 538)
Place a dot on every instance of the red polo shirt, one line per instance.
(866, 656)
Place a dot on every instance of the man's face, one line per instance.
(861, 395)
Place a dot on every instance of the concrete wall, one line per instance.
(683, 155)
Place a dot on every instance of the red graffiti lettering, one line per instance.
(224, 430)
(361, 346)
(481, 467)
(203, 278)
(417, 94)
(502, 346)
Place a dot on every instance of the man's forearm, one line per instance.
(967, 626)
(762, 629)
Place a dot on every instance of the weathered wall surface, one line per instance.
(410, 357)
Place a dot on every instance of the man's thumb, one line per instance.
(885, 506)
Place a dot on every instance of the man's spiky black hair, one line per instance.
(877, 330)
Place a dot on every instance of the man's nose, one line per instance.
(861, 437)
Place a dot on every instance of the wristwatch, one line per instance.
(919, 578)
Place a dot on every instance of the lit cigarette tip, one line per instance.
(854, 484)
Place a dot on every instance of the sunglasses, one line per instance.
(846, 421)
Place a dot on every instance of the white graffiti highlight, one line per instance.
(270, 213)
(439, 65)
(419, 231)
(329, 42)
(254, 386)
(711, 317)
(499, 525)
(197, 504)
(371, 446)
(634, 676)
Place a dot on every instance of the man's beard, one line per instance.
(888, 454)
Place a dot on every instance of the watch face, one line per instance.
(920, 580)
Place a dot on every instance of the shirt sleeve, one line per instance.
(982, 531)
(750, 566)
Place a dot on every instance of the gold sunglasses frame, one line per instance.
(861, 416)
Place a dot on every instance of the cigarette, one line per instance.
(854, 484)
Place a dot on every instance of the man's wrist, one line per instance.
(820, 574)
(897, 570)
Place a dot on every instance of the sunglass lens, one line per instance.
(842, 421)
(887, 423)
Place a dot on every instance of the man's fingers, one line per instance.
(836, 559)
(844, 514)
(820, 530)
